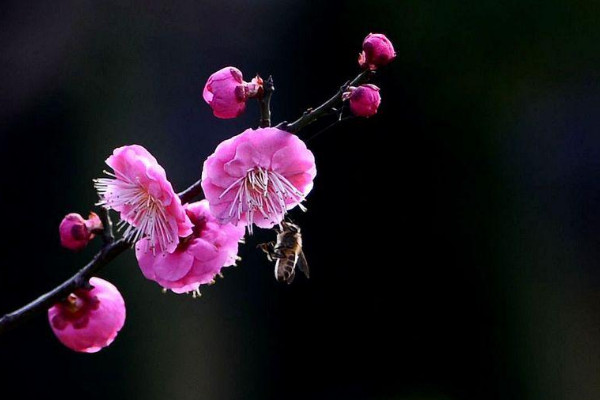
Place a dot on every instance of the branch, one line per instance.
(265, 102)
(311, 115)
(334, 123)
(107, 226)
(80, 279)
(190, 193)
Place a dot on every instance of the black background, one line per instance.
(453, 238)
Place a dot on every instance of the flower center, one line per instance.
(143, 213)
(199, 225)
(75, 310)
(264, 193)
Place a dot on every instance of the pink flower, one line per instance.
(256, 176)
(140, 191)
(364, 100)
(377, 51)
(198, 258)
(76, 232)
(89, 320)
(226, 92)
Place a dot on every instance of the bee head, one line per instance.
(288, 226)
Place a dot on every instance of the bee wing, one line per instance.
(303, 264)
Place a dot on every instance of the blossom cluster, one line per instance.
(251, 180)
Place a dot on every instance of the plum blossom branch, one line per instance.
(108, 235)
(113, 248)
(191, 192)
(108, 253)
(311, 115)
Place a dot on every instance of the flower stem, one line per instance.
(192, 192)
(265, 103)
(311, 115)
(107, 226)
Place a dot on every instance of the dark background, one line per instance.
(453, 238)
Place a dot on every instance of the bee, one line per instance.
(286, 252)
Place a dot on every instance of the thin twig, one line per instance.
(265, 103)
(334, 123)
(80, 279)
(192, 192)
(107, 226)
(312, 115)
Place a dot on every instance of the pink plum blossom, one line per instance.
(364, 100)
(227, 93)
(377, 51)
(76, 232)
(256, 176)
(140, 191)
(88, 320)
(198, 258)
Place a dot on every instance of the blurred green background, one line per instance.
(453, 238)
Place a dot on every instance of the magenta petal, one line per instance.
(207, 94)
(303, 181)
(145, 258)
(199, 258)
(186, 288)
(203, 250)
(377, 51)
(74, 233)
(364, 100)
(267, 223)
(271, 140)
(291, 160)
(224, 93)
(174, 266)
(226, 150)
(236, 74)
(220, 174)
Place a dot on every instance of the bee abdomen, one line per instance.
(285, 269)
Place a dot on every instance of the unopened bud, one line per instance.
(76, 232)
(377, 51)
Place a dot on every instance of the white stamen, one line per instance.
(147, 217)
(262, 191)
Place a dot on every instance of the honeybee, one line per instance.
(287, 252)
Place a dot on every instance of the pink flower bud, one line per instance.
(377, 51)
(364, 100)
(88, 320)
(227, 93)
(76, 232)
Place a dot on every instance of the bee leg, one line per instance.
(268, 249)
